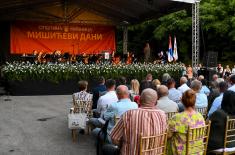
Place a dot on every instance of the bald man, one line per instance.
(118, 108)
(147, 120)
(164, 103)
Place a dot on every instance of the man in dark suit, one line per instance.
(98, 91)
(147, 83)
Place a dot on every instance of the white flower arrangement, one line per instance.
(57, 72)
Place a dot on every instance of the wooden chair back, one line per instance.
(197, 139)
(153, 144)
(74, 99)
(116, 119)
(203, 111)
(81, 106)
(170, 115)
(229, 132)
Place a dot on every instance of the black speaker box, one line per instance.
(210, 59)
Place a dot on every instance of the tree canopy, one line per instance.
(217, 31)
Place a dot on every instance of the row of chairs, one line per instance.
(158, 143)
(152, 143)
(203, 111)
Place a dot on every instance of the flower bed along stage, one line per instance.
(47, 79)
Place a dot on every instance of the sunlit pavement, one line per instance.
(38, 125)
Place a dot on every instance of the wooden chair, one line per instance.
(203, 111)
(155, 144)
(116, 119)
(170, 114)
(81, 106)
(229, 138)
(199, 136)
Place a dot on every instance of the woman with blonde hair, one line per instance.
(156, 83)
(135, 87)
(134, 91)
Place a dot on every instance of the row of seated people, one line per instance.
(150, 118)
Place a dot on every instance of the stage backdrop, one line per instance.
(73, 38)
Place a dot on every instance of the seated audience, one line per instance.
(174, 94)
(183, 85)
(165, 77)
(232, 81)
(134, 91)
(82, 94)
(204, 88)
(147, 120)
(179, 124)
(118, 108)
(214, 87)
(147, 83)
(164, 103)
(218, 121)
(98, 91)
(104, 101)
(156, 83)
(122, 81)
(217, 102)
(110, 97)
(201, 99)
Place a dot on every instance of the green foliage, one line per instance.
(178, 21)
(217, 21)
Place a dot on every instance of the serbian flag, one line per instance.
(175, 53)
(170, 51)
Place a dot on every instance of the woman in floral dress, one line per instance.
(179, 124)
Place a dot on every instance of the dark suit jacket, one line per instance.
(145, 84)
(96, 94)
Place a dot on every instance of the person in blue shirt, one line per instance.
(174, 94)
(223, 86)
(118, 108)
(204, 88)
(201, 99)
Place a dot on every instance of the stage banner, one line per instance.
(73, 38)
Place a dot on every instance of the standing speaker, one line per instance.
(210, 59)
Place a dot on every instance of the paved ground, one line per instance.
(21, 133)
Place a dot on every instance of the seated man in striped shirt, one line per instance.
(147, 120)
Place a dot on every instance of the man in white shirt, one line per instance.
(164, 103)
(107, 99)
(232, 81)
(183, 85)
(104, 101)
